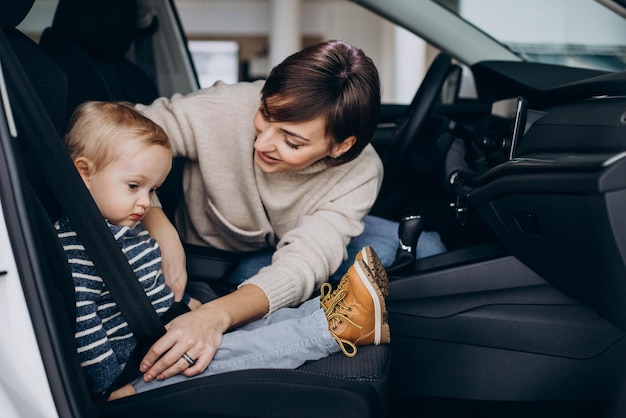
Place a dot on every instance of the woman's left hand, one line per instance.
(197, 333)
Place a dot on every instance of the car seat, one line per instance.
(347, 387)
(49, 81)
(89, 40)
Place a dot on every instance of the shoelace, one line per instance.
(335, 316)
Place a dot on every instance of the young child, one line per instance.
(123, 158)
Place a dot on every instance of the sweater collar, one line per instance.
(125, 231)
(315, 168)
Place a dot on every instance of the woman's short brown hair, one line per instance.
(332, 80)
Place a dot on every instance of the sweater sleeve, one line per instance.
(192, 120)
(95, 353)
(307, 255)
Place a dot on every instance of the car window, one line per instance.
(211, 28)
(575, 33)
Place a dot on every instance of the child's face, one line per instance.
(123, 189)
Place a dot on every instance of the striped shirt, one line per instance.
(103, 338)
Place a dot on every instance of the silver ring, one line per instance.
(188, 359)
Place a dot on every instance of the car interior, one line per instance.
(525, 184)
(358, 387)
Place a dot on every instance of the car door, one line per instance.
(37, 379)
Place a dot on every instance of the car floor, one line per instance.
(450, 408)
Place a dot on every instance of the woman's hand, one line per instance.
(172, 251)
(199, 333)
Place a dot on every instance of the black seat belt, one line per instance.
(77, 203)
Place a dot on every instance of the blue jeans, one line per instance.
(381, 234)
(289, 337)
(285, 339)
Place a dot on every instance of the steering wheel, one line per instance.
(408, 132)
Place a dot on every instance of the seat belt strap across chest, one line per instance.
(76, 201)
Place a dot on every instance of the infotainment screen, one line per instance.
(513, 112)
(519, 124)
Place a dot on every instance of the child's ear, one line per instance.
(85, 168)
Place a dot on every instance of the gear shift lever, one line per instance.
(409, 232)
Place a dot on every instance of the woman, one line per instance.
(284, 166)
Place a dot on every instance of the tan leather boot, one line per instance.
(373, 263)
(376, 266)
(356, 310)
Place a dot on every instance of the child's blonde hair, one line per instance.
(97, 128)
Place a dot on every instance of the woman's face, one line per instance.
(290, 146)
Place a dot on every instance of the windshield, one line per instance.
(576, 33)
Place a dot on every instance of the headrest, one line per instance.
(106, 28)
(12, 12)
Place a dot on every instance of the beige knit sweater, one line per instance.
(309, 215)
